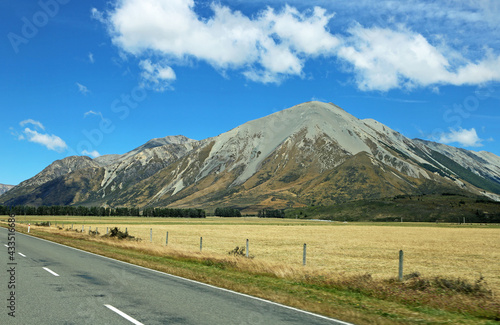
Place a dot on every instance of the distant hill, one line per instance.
(4, 188)
(311, 154)
(408, 208)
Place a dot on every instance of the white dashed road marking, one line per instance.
(122, 314)
(50, 271)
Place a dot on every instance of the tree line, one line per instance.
(266, 213)
(232, 212)
(227, 212)
(270, 213)
(56, 210)
(173, 213)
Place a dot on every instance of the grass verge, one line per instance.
(358, 299)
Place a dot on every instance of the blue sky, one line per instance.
(103, 77)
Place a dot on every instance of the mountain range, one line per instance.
(311, 154)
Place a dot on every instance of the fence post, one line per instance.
(247, 254)
(401, 256)
(151, 235)
(107, 230)
(83, 228)
(126, 230)
(304, 254)
(71, 226)
(96, 230)
(166, 240)
(201, 243)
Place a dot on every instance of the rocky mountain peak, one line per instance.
(59, 168)
(179, 140)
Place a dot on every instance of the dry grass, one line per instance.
(350, 249)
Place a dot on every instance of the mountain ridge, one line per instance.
(4, 188)
(312, 153)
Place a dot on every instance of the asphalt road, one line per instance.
(56, 284)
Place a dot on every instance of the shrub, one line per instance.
(115, 232)
(450, 285)
(239, 251)
(478, 288)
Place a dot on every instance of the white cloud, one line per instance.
(490, 11)
(92, 153)
(466, 138)
(480, 72)
(86, 114)
(156, 75)
(50, 141)
(83, 89)
(272, 45)
(16, 134)
(267, 47)
(304, 33)
(91, 57)
(384, 59)
(33, 122)
(97, 15)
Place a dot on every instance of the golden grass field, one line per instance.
(432, 250)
